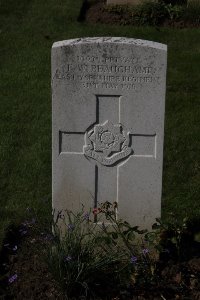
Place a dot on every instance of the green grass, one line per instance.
(27, 30)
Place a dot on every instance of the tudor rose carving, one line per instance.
(107, 143)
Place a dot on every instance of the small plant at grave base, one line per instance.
(79, 257)
(140, 252)
(176, 238)
(111, 256)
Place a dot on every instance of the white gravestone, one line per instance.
(108, 125)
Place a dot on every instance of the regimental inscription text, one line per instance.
(108, 73)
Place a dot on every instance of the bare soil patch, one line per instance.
(25, 273)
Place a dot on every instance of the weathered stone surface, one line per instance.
(108, 124)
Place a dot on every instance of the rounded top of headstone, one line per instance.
(115, 40)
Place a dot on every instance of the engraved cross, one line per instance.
(108, 145)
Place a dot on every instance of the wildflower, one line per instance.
(145, 251)
(96, 210)
(15, 248)
(86, 216)
(68, 258)
(12, 278)
(133, 259)
(70, 227)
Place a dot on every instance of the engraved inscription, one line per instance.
(107, 143)
(113, 73)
